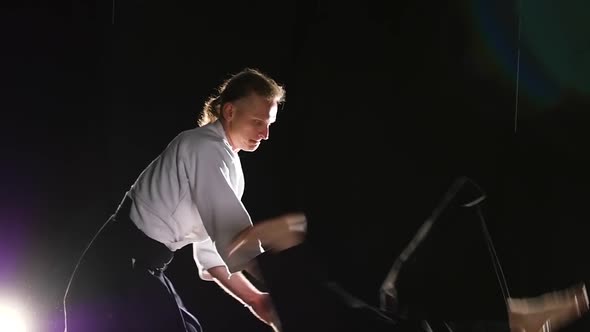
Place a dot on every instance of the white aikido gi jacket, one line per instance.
(191, 193)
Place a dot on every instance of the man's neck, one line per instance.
(226, 128)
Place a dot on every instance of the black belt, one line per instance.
(146, 252)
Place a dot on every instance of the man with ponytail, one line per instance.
(190, 194)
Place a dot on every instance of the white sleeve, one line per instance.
(221, 210)
(206, 257)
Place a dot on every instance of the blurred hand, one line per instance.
(275, 234)
(548, 312)
(263, 309)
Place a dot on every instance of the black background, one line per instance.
(387, 103)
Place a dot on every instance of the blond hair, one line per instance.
(240, 85)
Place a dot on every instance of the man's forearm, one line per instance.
(236, 284)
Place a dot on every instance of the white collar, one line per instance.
(218, 128)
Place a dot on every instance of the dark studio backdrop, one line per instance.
(387, 103)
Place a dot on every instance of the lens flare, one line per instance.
(12, 318)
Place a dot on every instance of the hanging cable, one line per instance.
(113, 13)
(494, 256)
(516, 97)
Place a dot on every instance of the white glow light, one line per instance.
(11, 318)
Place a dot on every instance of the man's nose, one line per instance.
(264, 134)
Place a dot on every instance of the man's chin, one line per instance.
(251, 148)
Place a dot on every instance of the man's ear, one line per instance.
(228, 111)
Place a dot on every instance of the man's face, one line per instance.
(247, 121)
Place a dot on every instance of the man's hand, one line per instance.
(275, 234)
(263, 309)
(238, 286)
(548, 312)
